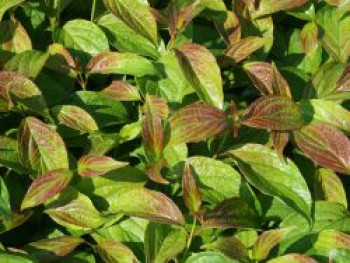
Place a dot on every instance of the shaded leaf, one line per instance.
(279, 84)
(230, 246)
(6, 5)
(190, 191)
(45, 187)
(325, 145)
(197, 122)
(274, 112)
(14, 37)
(5, 206)
(74, 118)
(15, 258)
(9, 156)
(121, 63)
(41, 149)
(280, 141)
(114, 252)
(122, 91)
(92, 165)
(201, 70)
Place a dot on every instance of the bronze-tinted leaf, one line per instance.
(92, 165)
(293, 258)
(325, 145)
(75, 118)
(279, 84)
(137, 15)
(230, 29)
(46, 186)
(14, 37)
(41, 149)
(267, 7)
(275, 113)
(280, 141)
(231, 213)
(260, 73)
(49, 250)
(154, 172)
(159, 106)
(197, 122)
(343, 84)
(121, 63)
(230, 246)
(152, 132)
(201, 70)
(309, 37)
(239, 51)
(18, 88)
(61, 60)
(122, 91)
(267, 241)
(190, 191)
(115, 252)
(149, 204)
(329, 187)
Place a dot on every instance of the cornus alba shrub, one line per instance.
(174, 131)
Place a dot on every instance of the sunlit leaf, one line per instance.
(293, 258)
(267, 7)
(260, 74)
(122, 91)
(114, 252)
(14, 37)
(92, 165)
(190, 191)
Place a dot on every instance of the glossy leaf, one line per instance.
(121, 63)
(230, 246)
(279, 84)
(9, 156)
(92, 165)
(7, 4)
(114, 252)
(5, 206)
(293, 258)
(122, 91)
(74, 118)
(274, 112)
(201, 70)
(267, 7)
(14, 37)
(196, 122)
(149, 204)
(137, 15)
(15, 258)
(260, 73)
(163, 243)
(325, 145)
(231, 213)
(329, 187)
(275, 177)
(212, 257)
(45, 187)
(343, 84)
(190, 191)
(37, 153)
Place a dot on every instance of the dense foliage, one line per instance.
(174, 131)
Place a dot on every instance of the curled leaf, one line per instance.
(45, 187)
(92, 165)
(325, 145)
(197, 122)
(277, 113)
(122, 91)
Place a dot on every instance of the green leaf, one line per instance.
(45, 187)
(14, 37)
(267, 7)
(121, 63)
(266, 242)
(104, 110)
(48, 250)
(149, 204)
(335, 37)
(212, 257)
(230, 246)
(83, 38)
(92, 165)
(197, 122)
(114, 252)
(8, 257)
(74, 210)
(163, 243)
(74, 118)
(190, 191)
(231, 213)
(124, 38)
(293, 258)
(260, 73)
(274, 112)
(9, 156)
(30, 63)
(328, 112)
(122, 91)
(137, 15)
(201, 70)
(38, 154)
(275, 177)
(5, 206)
(329, 187)
(325, 145)
(6, 5)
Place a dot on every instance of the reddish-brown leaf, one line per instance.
(239, 51)
(230, 29)
(122, 91)
(325, 145)
(260, 73)
(159, 106)
(61, 60)
(343, 84)
(277, 113)
(309, 37)
(190, 191)
(279, 84)
(280, 141)
(197, 122)
(45, 187)
(92, 165)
